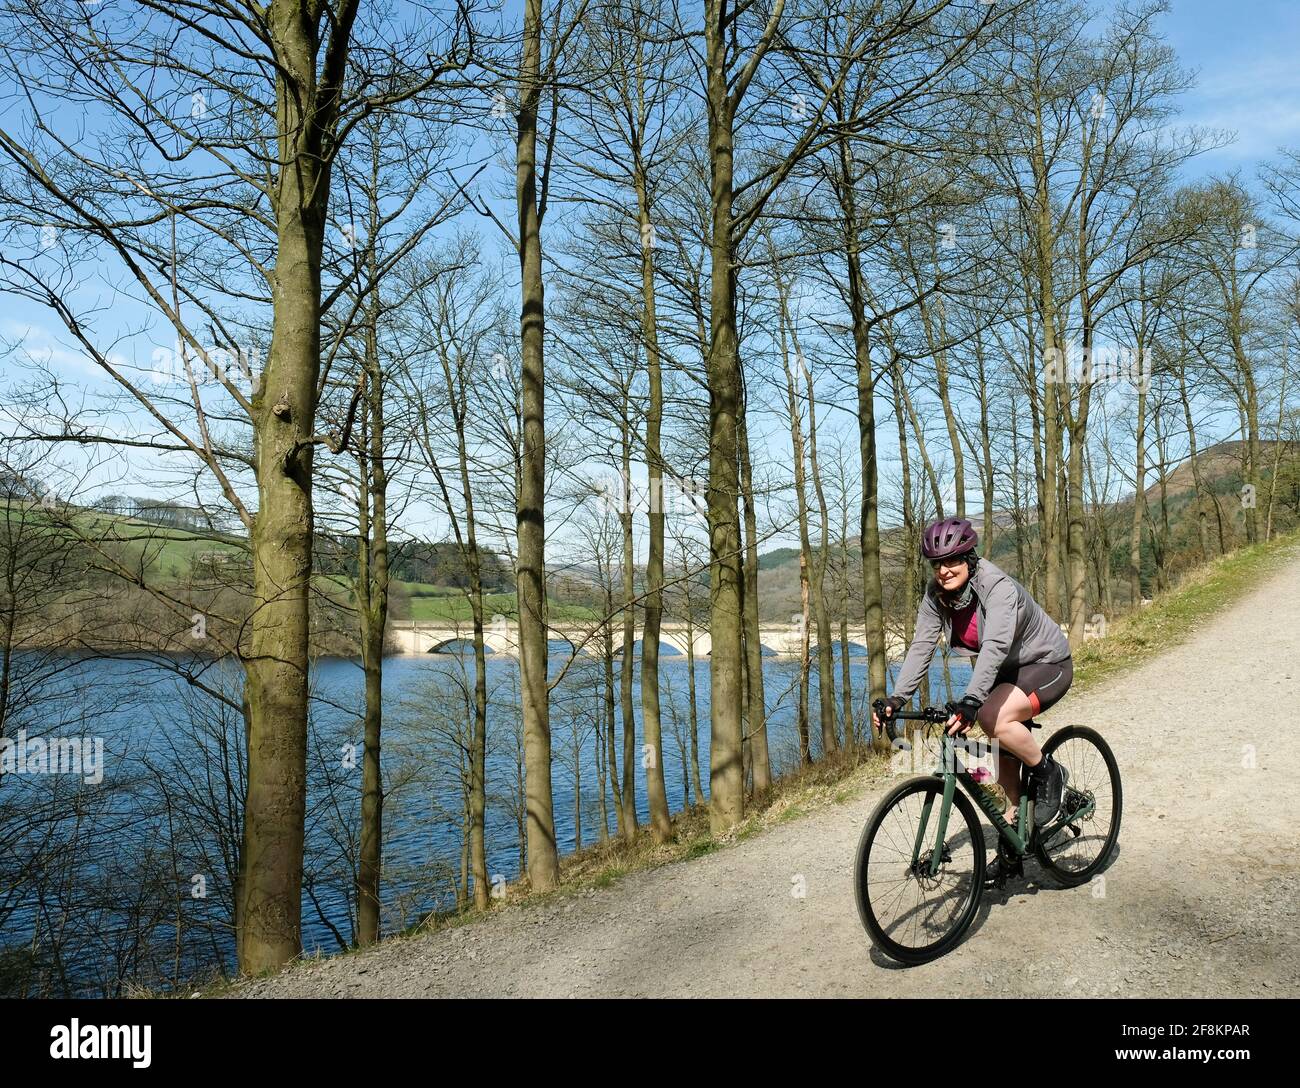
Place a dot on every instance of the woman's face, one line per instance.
(951, 574)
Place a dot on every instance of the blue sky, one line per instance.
(1249, 79)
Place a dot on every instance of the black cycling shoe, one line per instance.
(1049, 786)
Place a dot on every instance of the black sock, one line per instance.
(1041, 767)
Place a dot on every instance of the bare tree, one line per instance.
(249, 179)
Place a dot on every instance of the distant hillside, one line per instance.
(1219, 466)
(777, 557)
(218, 563)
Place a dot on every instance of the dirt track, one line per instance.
(1202, 899)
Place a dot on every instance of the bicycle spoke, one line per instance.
(1089, 777)
(913, 908)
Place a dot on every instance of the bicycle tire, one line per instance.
(862, 872)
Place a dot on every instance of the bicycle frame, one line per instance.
(952, 772)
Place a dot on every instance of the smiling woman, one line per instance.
(1022, 659)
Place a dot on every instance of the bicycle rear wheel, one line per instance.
(912, 916)
(1081, 847)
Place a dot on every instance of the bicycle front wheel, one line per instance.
(912, 915)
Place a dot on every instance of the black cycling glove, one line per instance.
(893, 704)
(967, 708)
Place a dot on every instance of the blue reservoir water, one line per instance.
(146, 857)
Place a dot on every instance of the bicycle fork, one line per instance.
(945, 809)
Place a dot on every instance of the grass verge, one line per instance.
(1176, 614)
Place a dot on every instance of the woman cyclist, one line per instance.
(1022, 659)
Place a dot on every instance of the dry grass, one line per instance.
(827, 782)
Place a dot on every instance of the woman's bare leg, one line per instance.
(1002, 718)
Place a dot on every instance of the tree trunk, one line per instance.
(1044, 241)
(986, 451)
(468, 544)
(608, 676)
(938, 339)
(805, 742)
(269, 899)
(1076, 548)
(913, 576)
(543, 856)
(577, 788)
(1021, 567)
(805, 547)
(726, 779)
(1277, 453)
(825, 657)
(1139, 503)
(599, 758)
(628, 660)
(1202, 529)
(372, 587)
(869, 530)
(656, 792)
(1249, 405)
(755, 697)
(692, 701)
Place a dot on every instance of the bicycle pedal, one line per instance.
(1005, 870)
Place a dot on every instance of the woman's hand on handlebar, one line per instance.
(963, 715)
(884, 709)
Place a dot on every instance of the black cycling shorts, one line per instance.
(1044, 683)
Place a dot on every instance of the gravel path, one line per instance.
(1202, 899)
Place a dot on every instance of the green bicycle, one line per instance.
(919, 875)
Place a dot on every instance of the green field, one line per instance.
(171, 553)
(162, 552)
(430, 604)
(165, 554)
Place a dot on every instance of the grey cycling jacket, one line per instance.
(1013, 630)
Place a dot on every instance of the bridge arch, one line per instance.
(668, 647)
(457, 645)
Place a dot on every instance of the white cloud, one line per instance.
(1255, 95)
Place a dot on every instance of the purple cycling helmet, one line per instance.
(948, 537)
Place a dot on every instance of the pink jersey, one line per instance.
(966, 627)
